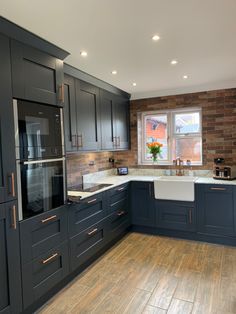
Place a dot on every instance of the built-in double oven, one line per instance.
(40, 157)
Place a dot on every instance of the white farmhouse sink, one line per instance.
(175, 188)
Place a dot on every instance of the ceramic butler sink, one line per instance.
(175, 188)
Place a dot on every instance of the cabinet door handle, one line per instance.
(115, 141)
(93, 231)
(61, 97)
(13, 217)
(190, 216)
(80, 141)
(121, 213)
(118, 144)
(12, 190)
(219, 189)
(92, 201)
(43, 221)
(45, 261)
(74, 141)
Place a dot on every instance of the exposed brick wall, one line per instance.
(218, 119)
(78, 165)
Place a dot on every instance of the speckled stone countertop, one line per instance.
(116, 180)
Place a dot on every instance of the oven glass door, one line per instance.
(42, 186)
(40, 133)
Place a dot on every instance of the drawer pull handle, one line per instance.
(93, 231)
(120, 189)
(92, 201)
(218, 189)
(190, 216)
(48, 219)
(14, 217)
(121, 213)
(45, 261)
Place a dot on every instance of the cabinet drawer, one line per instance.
(117, 196)
(84, 245)
(117, 223)
(85, 214)
(176, 215)
(42, 233)
(218, 188)
(43, 273)
(118, 191)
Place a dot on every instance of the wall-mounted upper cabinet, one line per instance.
(114, 121)
(36, 76)
(94, 119)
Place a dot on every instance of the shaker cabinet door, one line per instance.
(10, 276)
(88, 117)
(36, 76)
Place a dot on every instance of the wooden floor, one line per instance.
(152, 274)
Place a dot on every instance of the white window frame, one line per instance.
(171, 135)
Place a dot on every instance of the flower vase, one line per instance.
(154, 159)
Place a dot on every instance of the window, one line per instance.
(180, 132)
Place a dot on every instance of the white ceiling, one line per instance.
(200, 34)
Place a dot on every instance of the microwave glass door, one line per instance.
(42, 186)
(39, 130)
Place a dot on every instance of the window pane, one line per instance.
(187, 148)
(187, 122)
(156, 131)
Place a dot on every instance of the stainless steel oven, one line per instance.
(40, 157)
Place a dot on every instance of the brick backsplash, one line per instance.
(78, 165)
(218, 131)
(218, 124)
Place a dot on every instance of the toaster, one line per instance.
(122, 171)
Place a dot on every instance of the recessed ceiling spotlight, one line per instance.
(134, 84)
(174, 62)
(83, 53)
(155, 37)
(114, 72)
(185, 77)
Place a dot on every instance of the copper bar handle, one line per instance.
(114, 140)
(218, 189)
(61, 93)
(121, 213)
(45, 261)
(92, 201)
(13, 190)
(79, 141)
(48, 219)
(190, 216)
(118, 141)
(93, 231)
(14, 217)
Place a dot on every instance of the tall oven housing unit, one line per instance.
(40, 157)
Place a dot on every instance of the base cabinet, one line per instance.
(142, 204)
(10, 274)
(175, 215)
(216, 207)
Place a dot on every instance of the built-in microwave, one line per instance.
(38, 130)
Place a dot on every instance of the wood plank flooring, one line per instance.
(152, 274)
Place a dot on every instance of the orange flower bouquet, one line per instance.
(154, 149)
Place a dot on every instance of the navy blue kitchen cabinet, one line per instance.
(142, 204)
(88, 117)
(70, 121)
(10, 274)
(118, 210)
(87, 212)
(36, 76)
(175, 215)
(7, 136)
(114, 121)
(216, 209)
